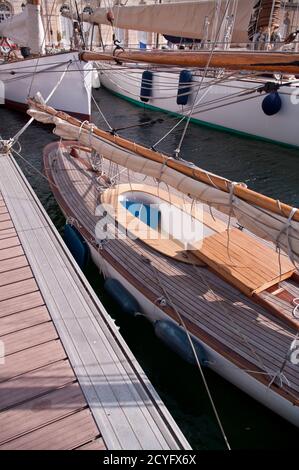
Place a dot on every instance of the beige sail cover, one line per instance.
(25, 29)
(184, 19)
(278, 229)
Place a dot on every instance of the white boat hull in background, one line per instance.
(241, 117)
(23, 79)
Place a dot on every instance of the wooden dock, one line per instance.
(67, 380)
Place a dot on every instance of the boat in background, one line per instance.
(262, 106)
(40, 72)
(24, 78)
(239, 105)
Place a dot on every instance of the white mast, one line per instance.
(35, 27)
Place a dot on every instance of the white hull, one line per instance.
(217, 363)
(245, 117)
(25, 78)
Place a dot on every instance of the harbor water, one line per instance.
(265, 167)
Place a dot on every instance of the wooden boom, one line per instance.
(196, 173)
(255, 61)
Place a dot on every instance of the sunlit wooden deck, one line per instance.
(67, 379)
(237, 326)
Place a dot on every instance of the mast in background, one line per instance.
(36, 32)
(157, 37)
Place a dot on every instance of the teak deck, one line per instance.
(244, 262)
(236, 256)
(68, 380)
(252, 337)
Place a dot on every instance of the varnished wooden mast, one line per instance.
(255, 61)
(223, 184)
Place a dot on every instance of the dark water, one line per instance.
(264, 167)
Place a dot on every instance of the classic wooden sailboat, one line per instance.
(41, 72)
(253, 105)
(232, 286)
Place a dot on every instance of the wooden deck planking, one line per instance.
(17, 289)
(15, 275)
(35, 364)
(7, 233)
(40, 411)
(191, 300)
(31, 359)
(11, 252)
(21, 320)
(21, 303)
(227, 254)
(35, 383)
(268, 355)
(29, 337)
(116, 398)
(6, 225)
(9, 242)
(128, 412)
(59, 435)
(270, 342)
(97, 444)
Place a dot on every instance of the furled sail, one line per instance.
(261, 215)
(26, 28)
(188, 19)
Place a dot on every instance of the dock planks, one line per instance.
(36, 370)
(69, 380)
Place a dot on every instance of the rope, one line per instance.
(95, 102)
(178, 149)
(23, 129)
(181, 321)
(43, 43)
(33, 167)
(286, 229)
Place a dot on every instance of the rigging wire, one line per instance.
(178, 149)
(199, 366)
(23, 129)
(18, 153)
(42, 45)
(94, 100)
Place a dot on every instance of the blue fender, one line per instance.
(272, 104)
(176, 339)
(77, 245)
(184, 88)
(146, 86)
(122, 296)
